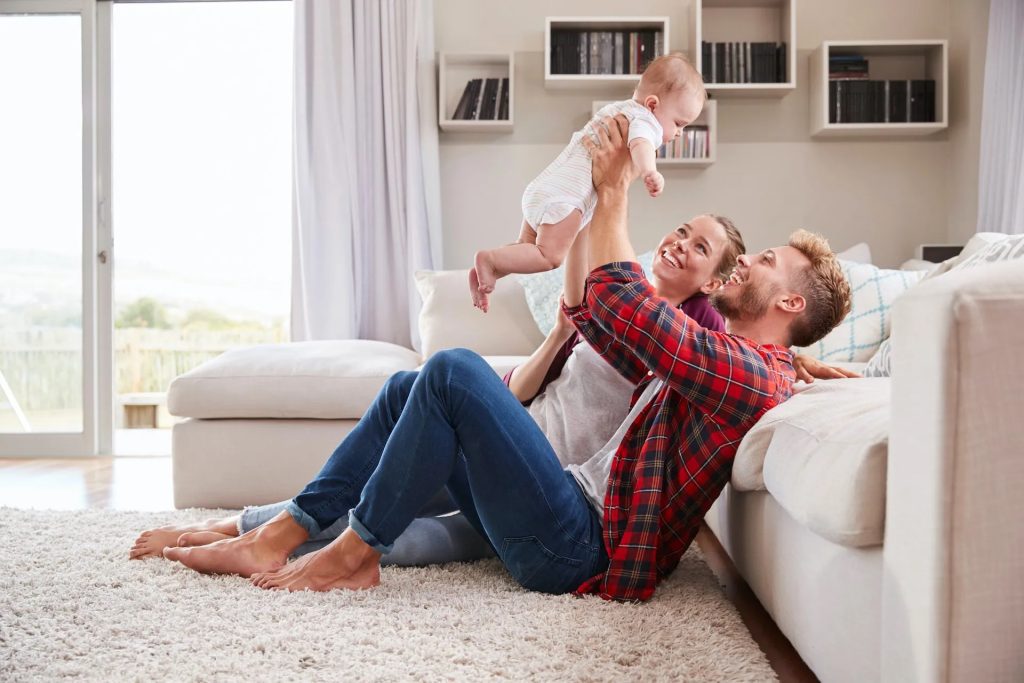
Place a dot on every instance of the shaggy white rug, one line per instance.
(73, 606)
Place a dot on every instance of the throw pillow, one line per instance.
(862, 331)
(858, 253)
(1003, 249)
(544, 289)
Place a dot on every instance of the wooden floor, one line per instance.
(144, 483)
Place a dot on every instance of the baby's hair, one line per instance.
(669, 73)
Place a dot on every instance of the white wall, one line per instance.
(770, 177)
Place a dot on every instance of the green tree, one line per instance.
(144, 312)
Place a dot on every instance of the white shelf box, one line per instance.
(455, 71)
(580, 81)
(745, 21)
(708, 117)
(887, 60)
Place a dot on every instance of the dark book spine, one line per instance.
(460, 108)
(833, 100)
(503, 109)
(720, 62)
(474, 97)
(780, 71)
(705, 61)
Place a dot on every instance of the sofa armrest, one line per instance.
(953, 607)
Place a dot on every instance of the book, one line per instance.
(503, 112)
(463, 105)
(475, 98)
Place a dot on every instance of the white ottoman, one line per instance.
(262, 420)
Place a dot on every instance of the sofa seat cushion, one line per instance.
(328, 380)
(822, 455)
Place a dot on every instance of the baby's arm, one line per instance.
(643, 158)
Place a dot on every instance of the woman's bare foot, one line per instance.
(151, 543)
(197, 538)
(346, 563)
(265, 548)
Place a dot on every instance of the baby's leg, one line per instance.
(545, 250)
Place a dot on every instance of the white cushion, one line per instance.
(543, 291)
(858, 253)
(449, 320)
(327, 380)
(860, 334)
(822, 455)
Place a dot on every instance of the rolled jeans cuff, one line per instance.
(355, 525)
(303, 520)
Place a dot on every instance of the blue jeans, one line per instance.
(456, 426)
(439, 534)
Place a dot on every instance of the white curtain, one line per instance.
(1001, 162)
(366, 207)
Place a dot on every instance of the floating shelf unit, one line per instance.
(603, 23)
(888, 60)
(455, 70)
(745, 21)
(708, 117)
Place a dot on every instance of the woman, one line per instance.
(690, 262)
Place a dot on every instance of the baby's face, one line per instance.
(678, 110)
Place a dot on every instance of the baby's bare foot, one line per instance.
(480, 299)
(151, 543)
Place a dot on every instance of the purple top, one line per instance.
(697, 307)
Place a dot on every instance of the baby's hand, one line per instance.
(655, 183)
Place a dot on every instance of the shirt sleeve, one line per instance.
(645, 127)
(617, 355)
(728, 379)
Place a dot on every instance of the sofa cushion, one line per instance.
(328, 380)
(861, 332)
(449, 320)
(822, 455)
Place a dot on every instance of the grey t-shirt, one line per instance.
(593, 474)
(579, 410)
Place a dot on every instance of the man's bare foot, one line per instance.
(347, 562)
(263, 549)
(151, 543)
(480, 300)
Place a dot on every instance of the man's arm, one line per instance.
(613, 171)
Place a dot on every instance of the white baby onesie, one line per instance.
(566, 185)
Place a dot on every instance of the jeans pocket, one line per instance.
(536, 568)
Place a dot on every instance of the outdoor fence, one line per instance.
(44, 366)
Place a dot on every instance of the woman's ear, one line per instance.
(711, 285)
(651, 102)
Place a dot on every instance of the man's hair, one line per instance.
(734, 246)
(669, 73)
(823, 286)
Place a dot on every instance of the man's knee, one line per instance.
(399, 385)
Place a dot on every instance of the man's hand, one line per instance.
(808, 368)
(612, 165)
(655, 183)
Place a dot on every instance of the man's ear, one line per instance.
(710, 286)
(651, 101)
(792, 303)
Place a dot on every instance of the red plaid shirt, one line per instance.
(677, 455)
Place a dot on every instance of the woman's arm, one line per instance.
(525, 380)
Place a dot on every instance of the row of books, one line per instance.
(483, 99)
(847, 67)
(603, 52)
(865, 101)
(743, 62)
(694, 143)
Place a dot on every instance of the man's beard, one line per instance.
(751, 304)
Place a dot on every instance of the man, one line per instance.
(620, 522)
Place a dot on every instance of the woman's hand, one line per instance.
(563, 326)
(612, 165)
(808, 368)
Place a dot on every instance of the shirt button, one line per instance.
(650, 373)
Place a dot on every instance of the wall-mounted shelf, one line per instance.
(455, 71)
(708, 117)
(614, 27)
(743, 21)
(889, 60)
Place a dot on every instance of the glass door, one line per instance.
(50, 266)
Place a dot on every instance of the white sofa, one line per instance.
(884, 542)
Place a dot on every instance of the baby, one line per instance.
(561, 200)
